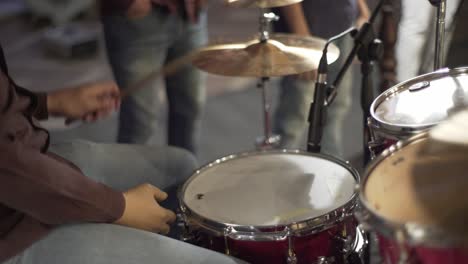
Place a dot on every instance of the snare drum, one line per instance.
(413, 106)
(274, 207)
(416, 203)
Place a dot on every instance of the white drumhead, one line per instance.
(423, 101)
(269, 189)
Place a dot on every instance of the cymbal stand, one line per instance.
(440, 34)
(268, 140)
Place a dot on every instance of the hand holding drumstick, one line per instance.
(91, 102)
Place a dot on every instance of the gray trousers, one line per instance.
(121, 167)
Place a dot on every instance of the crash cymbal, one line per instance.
(281, 55)
(260, 3)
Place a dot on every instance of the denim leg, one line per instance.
(123, 166)
(135, 48)
(294, 104)
(106, 243)
(416, 37)
(290, 117)
(120, 166)
(138, 46)
(412, 35)
(186, 88)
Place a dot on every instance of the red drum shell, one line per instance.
(391, 251)
(325, 235)
(308, 248)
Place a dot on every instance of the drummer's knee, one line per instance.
(183, 164)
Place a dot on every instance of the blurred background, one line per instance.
(33, 33)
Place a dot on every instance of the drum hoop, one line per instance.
(264, 233)
(410, 232)
(395, 129)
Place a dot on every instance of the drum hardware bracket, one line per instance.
(347, 241)
(181, 221)
(404, 254)
(227, 231)
(292, 258)
(419, 86)
(359, 255)
(325, 260)
(265, 25)
(373, 142)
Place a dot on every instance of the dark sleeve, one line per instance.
(280, 26)
(115, 6)
(51, 191)
(37, 106)
(41, 112)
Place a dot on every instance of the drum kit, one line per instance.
(290, 206)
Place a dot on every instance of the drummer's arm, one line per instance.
(297, 24)
(364, 12)
(295, 19)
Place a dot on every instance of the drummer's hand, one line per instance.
(142, 210)
(361, 20)
(87, 102)
(192, 7)
(139, 8)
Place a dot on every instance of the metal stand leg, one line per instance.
(268, 140)
(440, 35)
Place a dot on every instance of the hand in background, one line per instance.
(139, 8)
(88, 102)
(142, 210)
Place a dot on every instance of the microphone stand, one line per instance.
(317, 112)
(440, 32)
(368, 48)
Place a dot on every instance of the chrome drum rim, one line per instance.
(404, 131)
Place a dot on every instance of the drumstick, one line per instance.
(167, 70)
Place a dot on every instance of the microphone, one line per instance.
(317, 111)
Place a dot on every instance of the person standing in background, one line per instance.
(416, 37)
(141, 37)
(324, 19)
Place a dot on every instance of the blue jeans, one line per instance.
(293, 108)
(121, 167)
(137, 47)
